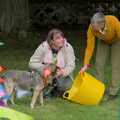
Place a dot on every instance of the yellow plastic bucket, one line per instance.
(86, 90)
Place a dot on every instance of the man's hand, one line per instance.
(59, 72)
(84, 68)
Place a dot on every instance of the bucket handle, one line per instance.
(66, 94)
(82, 74)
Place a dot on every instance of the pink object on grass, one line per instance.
(2, 94)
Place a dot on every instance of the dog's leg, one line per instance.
(13, 96)
(41, 97)
(35, 95)
(9, 86)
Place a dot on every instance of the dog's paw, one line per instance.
(41, 103)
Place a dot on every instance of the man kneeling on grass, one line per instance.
(55, 50)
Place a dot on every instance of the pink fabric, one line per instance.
(2, 103)
(2, 93)
(2, 80)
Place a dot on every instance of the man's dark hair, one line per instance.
(53, 32)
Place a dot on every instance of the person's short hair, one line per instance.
(97, 17)
(53, 32)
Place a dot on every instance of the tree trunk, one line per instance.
(14, 15)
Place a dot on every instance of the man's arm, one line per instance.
(90, 46)
(36, 61)
(70, 60)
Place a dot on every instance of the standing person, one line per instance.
(105, 30)
(56, 50)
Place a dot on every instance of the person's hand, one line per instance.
(84, 68)
(59, 72)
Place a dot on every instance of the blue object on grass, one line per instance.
(3, 94)
(22, 93)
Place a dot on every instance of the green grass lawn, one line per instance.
(55, 108)
(59, 109)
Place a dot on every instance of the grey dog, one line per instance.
(15, 79)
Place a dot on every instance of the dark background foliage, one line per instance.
(25, 23)
(69, 12)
